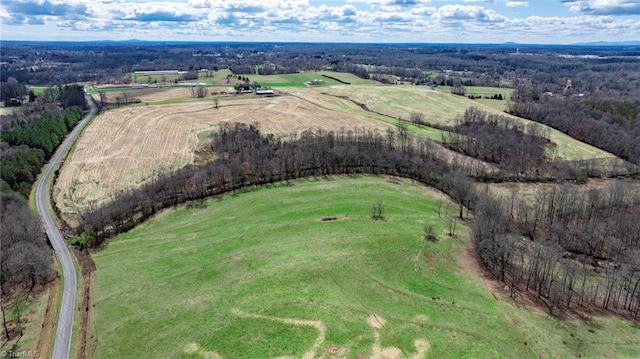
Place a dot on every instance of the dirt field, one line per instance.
(151, 95)
(127, 146)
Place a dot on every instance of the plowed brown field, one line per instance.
(125, 147)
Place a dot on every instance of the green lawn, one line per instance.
(38, 90)
(260, 275)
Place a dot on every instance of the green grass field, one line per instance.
(500, 105)
(298, 80)
(260, 275)
(38, 90)
(442, 108)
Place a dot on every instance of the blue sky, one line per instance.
(429, 21)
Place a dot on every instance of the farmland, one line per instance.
(500, 105)
(286, 283)
(299, 79)
(171, 94)
(171, 124)
(442, 109)
(124, 147)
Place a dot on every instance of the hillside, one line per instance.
(209, 283)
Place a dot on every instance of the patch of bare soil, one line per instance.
(335, 351)
(421, 346)
(376, 321)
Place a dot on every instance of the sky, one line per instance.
(372, 21)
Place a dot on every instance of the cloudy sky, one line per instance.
(429, 21)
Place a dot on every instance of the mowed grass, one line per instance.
(500, 105)
(443, 108)
(299, 79)
(260, 275)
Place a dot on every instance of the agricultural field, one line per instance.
(209, 284)
(500, 105)
(299, 79)
(162, 95)
(124, 147)
(442, 108)
(7, 110)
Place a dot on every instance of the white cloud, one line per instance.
(513, 3)
(333, 20)
(467, 13)
(604, 7)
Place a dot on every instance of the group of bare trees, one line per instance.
(500, 140)
(199, 91)
(25, 260)
(569, 247)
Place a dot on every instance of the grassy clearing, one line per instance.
(259, 275)
(38, 90)
(298, 80)
(442, 108)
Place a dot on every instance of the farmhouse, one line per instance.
(266, 93)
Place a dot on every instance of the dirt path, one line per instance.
(421, 346)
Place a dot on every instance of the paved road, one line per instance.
(62, 346)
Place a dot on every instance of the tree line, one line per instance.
(25, 149)
(245, 158)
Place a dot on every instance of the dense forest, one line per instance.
(31, 134)
(447, 64)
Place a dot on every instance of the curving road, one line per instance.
(62, 346)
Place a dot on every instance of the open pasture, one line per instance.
(261, 275)
(299, 79)
(442, 108)
(500, 105)
(124, 147)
